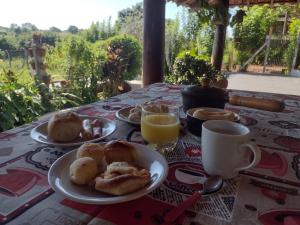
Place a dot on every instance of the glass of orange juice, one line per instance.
(160, 126)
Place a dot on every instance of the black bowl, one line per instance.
(194, 125)
(197, 96)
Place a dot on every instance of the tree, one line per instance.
(15, 28)
(130, 21)
(99, 31)
(54, 29)
(250, 34)
(92, 34)
(174, 40)
(73, 29)
(26, 27)
(49, 38)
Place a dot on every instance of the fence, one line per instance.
(15, 58)
(275, 56)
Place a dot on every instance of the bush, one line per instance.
(124, 57)
(294, 29)
(19, 103)
(82, 64)
(190, 69)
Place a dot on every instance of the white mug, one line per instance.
(226, 148)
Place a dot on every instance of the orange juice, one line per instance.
(160, 128)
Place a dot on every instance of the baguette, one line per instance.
(252, 102)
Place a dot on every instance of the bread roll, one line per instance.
(64, 127)
(123, 184)
(93, 150)
(83, 170)
(120, 151)
(258, 103)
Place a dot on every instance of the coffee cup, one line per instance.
(226, 148)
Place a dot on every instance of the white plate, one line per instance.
(40, 133)
(59, 179)
(123, 114)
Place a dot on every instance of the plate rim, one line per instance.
(113, 199)
(71, 144)
(118, 115)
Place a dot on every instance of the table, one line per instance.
(267, 194)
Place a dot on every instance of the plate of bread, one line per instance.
(133, 114)
(108, 173)
(70, 129)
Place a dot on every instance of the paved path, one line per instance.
(260, 83)
(265, 83)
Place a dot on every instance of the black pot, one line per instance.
(197, 96)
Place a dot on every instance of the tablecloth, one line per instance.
(267, 194)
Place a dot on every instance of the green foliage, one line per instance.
(250, 34)
(294, 29)
(50, 38)
(205, 39)
(82, 64)
(99, 31)
(173, 43)
(190, 69)
(19, 103)
(73, 29)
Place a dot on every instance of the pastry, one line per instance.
(123, 184)
(120, 151)
(64, 127)
(135, 116)
(83, 170)
(156, 108)
(120, 168)
(204, 114)
(93, 150)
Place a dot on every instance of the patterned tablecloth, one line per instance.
(267, 194)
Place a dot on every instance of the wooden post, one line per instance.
(268, 41)
(285, 23)
(219, 40)
(154, 41)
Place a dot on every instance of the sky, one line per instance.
(63, 13)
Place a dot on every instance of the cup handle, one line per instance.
(257, 155)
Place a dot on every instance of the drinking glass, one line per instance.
(160, 126)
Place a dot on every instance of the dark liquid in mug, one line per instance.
(226, 131)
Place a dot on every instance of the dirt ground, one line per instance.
(261, 83)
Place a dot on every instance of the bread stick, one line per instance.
(252, 102)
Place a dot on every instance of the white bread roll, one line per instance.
(93, 150)
(64, 127)
(83, 170)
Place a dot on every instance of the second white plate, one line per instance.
(40, 133)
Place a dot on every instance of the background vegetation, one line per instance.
(92, 64)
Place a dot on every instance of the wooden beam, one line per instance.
(154, 38)
(219, 40)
